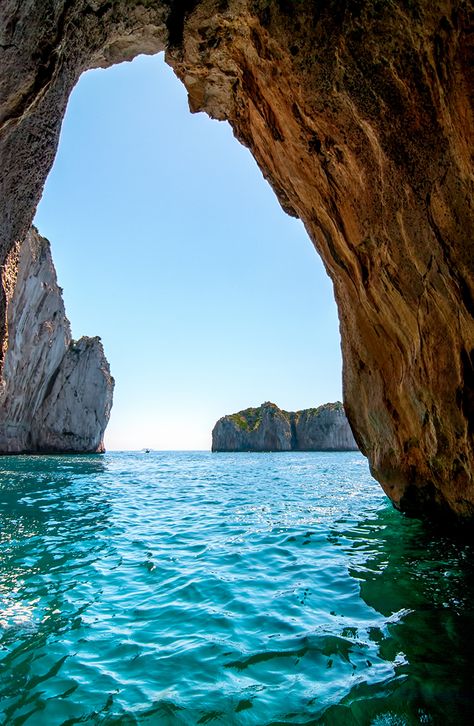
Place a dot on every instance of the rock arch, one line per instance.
(359, 115)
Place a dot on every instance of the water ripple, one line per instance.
(187, 588)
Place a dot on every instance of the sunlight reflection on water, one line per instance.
(186, 588)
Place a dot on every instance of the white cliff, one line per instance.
(55, 393)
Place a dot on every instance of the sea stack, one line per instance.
(269, 428)
(55, 393)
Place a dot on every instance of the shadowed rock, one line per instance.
(268, 428)
(56, 393)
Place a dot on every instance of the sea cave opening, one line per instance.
(182, 587)
(171, 246)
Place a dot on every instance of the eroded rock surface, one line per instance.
(269, 428)
(55, 393)
(360, 116)
(266, 428)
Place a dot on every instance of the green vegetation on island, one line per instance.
(269, 428)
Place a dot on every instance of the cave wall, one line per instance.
(359, 114)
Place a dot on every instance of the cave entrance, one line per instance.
(171, 246)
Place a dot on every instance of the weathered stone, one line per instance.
(55, 393)
(359, 114)
(325, 428)
(269, 428)
(266, 428)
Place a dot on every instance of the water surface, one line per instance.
(191, 588)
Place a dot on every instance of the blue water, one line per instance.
(196, 588)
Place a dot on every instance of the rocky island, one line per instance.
(269, 428)
(55, 393)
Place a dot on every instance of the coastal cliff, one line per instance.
(269, 428)
(55, 393)
(360, 116)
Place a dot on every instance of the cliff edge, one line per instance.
(268, 428)
(55, 393)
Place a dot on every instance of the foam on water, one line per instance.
(190, 588)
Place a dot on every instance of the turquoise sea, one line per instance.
(197, 588)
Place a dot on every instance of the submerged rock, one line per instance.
(268, 428)
(55, 393)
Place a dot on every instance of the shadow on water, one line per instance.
(423, 584)
(51, 516)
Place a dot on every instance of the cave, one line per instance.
(359, 116)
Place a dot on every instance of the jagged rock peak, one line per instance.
(269, 428)
(55, 393)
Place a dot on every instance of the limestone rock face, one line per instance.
(360, 116)
(323, 429)
(55, 394)
(268, 428)
(256, 429)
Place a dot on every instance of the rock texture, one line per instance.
(55, 393)
(268, 428)
(359, 114)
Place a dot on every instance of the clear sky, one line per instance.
(171, 246)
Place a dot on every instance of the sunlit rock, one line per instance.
(55, 393)
(268, 428)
